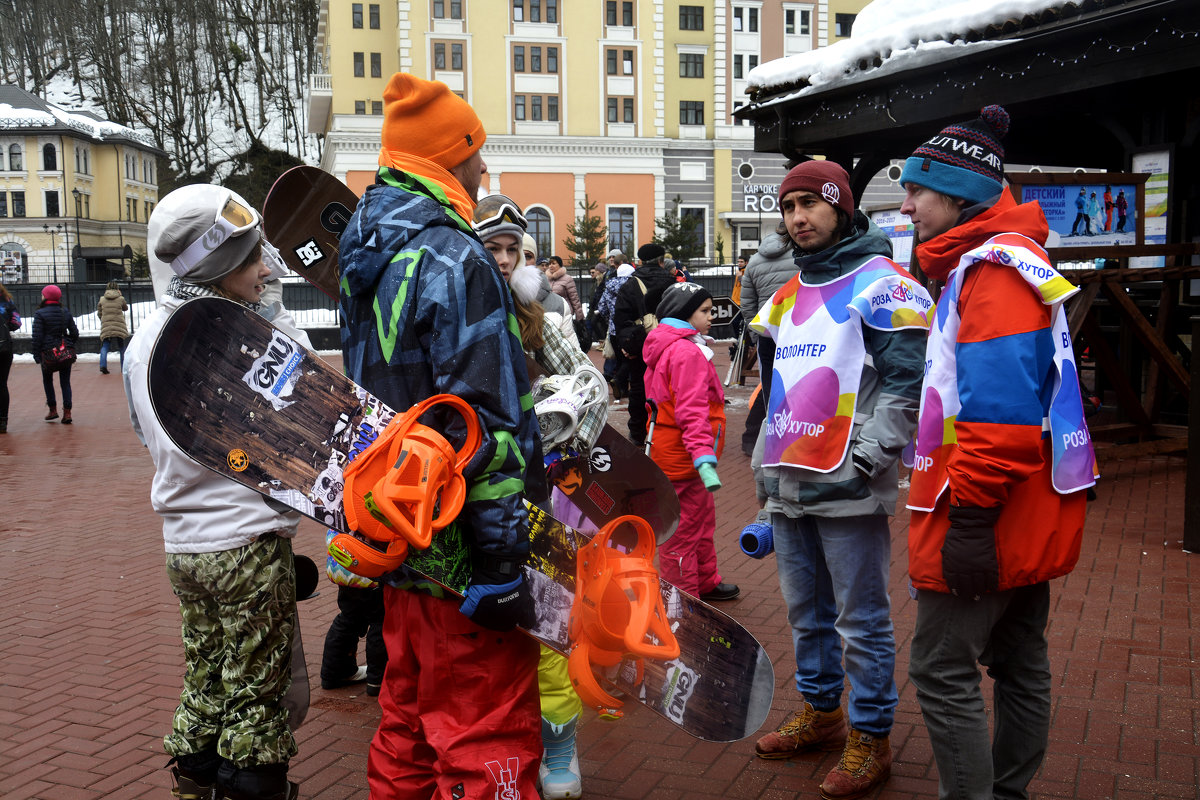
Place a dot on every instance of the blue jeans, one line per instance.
(112, 343)
(1005, 632)
(833, 572)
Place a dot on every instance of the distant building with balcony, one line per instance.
(625, 102)
(75, 192)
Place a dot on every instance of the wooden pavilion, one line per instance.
(1088, 83)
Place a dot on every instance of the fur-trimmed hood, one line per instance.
(526, 283)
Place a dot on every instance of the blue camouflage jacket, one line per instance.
(426, 311)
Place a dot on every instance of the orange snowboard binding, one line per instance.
(404, 488)
(618, 610)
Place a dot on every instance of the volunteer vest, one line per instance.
(1074, 462)
(820, 353)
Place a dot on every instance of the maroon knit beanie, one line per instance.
(826, 179)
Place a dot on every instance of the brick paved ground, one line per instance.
(90, 659)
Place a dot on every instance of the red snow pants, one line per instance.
(689, 558)
(459, 706)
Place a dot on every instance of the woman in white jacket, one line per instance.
(229, 553)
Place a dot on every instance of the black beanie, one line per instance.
(681, 300)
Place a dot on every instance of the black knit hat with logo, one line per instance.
(964, 160)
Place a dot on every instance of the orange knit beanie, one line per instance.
(425, 119)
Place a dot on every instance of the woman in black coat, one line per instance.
(52, 323)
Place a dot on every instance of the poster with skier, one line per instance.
(1087, 209)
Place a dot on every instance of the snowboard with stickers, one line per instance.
(304, 215)
(244, 399)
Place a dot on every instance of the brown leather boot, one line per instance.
(866, 763)
(52, 414)
(66, 420)
(806, 729)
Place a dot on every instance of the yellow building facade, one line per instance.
(626, 103)
(75, 192)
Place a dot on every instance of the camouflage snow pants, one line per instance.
(238, 608)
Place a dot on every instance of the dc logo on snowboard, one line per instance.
(309, 253)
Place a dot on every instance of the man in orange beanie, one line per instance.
(424, 311)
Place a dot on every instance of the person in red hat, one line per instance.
(53, 325)
(849, 341)
(425, 310)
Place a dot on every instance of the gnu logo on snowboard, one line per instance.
(681, 682)
(309, 253)
(274, 374)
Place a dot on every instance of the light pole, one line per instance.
(53, 258)
(78, 240)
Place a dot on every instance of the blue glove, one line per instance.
(497, 601)
(708, 474)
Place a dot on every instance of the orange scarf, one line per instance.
(453, 193)
(941, 253)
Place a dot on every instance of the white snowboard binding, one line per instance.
(560, 400)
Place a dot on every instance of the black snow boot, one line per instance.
(194, 775)
(260, 782)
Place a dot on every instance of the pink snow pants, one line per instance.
(689, 558)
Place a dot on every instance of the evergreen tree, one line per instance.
(588, 238)
(681, 236)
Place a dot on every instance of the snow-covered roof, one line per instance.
(896, 35)
(21, 110)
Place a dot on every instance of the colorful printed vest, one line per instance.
(819, 356)
(1074, 461)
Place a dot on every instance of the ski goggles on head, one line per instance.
(233, 218)
(497, 209)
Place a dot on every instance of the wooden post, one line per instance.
(1191, 509)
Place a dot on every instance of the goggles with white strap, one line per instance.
(232, 219)
(497, 209)
(274, 260)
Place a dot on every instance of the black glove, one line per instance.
(498, 596)
(969, 562)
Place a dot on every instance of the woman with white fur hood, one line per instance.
(500, 225)
(557, 309)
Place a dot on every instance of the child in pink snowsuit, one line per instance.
(689, 435)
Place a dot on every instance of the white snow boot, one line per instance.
(559, 772)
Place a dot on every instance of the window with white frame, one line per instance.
(745, 19)
(541, 228)
(797, 21)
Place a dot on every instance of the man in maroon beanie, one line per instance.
(849, 342)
